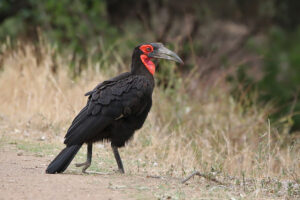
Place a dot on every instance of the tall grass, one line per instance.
(216, 134)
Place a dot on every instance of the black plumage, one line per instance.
(116, 108)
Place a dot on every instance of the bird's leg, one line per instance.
(88, 161)
(118, 158)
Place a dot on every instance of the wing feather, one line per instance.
(106, 103)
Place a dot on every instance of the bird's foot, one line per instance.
(121, 171)
(85, 164)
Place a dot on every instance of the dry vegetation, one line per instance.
(217, 135)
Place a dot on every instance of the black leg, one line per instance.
(88, 161)
(118, 158)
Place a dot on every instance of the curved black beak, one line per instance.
(159, 51)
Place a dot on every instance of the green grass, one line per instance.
(38, 148)
(34, 147)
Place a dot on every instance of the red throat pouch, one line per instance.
(148, 64)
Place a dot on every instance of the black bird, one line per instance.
(116, 108)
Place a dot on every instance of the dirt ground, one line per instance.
(22, 176)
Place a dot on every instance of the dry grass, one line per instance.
(217, 135)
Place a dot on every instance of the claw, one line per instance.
(85, 164)
(81, 164)
(88, 161)
(119, 171)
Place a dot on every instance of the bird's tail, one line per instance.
(63, 159)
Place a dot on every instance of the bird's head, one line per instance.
(146, 52)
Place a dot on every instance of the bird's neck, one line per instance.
(148, 64)
(142, 65)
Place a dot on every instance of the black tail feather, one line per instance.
(63, 160)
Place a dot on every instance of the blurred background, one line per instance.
(232, 109)
(248, 46)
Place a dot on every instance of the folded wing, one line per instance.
(120, 96)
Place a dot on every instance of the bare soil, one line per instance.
(23, 177)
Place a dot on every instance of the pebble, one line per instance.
(43, 138)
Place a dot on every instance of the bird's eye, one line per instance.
(148, 49)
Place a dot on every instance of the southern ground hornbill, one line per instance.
(115, 109)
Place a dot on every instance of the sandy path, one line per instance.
(23, 177)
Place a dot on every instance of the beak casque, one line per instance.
(160, 51)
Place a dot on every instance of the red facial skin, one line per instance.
(146, 49)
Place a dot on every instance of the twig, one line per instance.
(99, 173)
(202, 175)
(151, 176)
(88, 172)
(244, 182)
